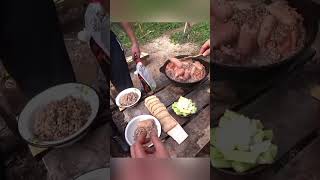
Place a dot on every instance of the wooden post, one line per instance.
(186, 25)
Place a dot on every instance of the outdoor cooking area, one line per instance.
(170, 96)
(66, 130)
(80, 91)
(265, 112)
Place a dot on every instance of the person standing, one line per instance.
(105, 45)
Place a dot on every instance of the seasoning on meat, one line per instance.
(223, 11)
(60, 119)
(224, 33)
(267, 33)
(129, 99)
(247, 42)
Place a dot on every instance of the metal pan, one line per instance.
(307, 10)
(182, 84)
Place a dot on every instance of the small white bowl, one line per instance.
(132, 126)
(126, 91)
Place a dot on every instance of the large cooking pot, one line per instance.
(237, 72)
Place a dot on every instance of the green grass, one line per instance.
(198, 34)
(145, 32)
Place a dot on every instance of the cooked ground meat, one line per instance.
(60, 119)
(129, 99)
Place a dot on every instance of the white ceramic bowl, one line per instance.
(126, 91)
(58, 92)
(132, 126)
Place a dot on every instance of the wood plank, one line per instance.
(231, 94)
(305, 166)
(200, 96)
(199, 136)
(289, 111)
(143, 56)
(292, 116)
(219, 175)
(9, 142)
(90, 153)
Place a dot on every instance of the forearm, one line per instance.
(128, 29)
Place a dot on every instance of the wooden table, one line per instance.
(286, 106)
(196, 126)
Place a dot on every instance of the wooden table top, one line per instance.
(196, 126)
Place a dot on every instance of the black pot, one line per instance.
(233, 72)
(202, 60)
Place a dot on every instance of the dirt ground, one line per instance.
(160, 50)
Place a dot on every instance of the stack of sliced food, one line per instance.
(184, 107)
(241, 144)
(168, 123)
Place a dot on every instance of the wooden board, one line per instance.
(200, 96)
(290, 111)
(143, 55)
(90, 153)
(198, 130)
(290, 114)
(305, 166)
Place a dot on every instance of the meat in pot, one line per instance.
(186, 71)
(257, 34)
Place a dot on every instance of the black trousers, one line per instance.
(120, 75)
(32, 46)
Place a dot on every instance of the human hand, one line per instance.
(205, 49)
(135, 51)
(139, 151)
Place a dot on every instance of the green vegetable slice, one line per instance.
(258, 138)
(268, 134)
(242, 167)
(241, 156)
(220, 163)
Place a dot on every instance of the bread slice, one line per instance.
(149, 99)
(153, 103)
(155, 107)
(162, 114)
(160, 109)
(168, 123)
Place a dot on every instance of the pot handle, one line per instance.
(162, 68)
(205, 59)
(303, 58)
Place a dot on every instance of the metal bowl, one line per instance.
(26, 120)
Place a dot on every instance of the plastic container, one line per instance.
(145, 77)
